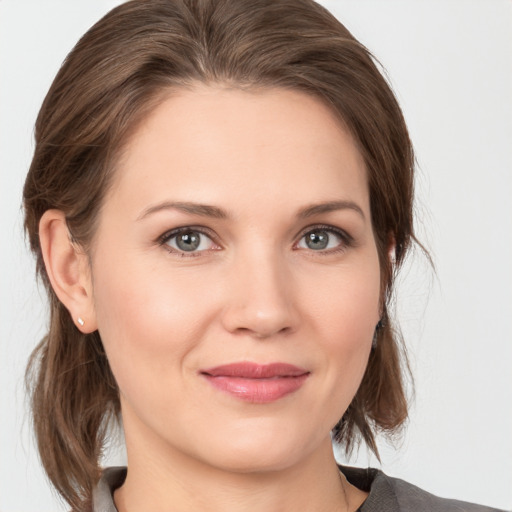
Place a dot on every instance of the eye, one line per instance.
(187, 240)
(324, 238)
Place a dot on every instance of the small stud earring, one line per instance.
(81, 321)
(375, 339)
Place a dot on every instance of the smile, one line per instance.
(256, 383)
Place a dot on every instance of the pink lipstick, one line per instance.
(257, 383)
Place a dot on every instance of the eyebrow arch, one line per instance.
(330, 206)
(204, 210)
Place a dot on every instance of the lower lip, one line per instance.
(260, 391)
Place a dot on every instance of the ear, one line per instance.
(68, 269)
(391, 260)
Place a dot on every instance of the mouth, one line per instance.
(256, 383)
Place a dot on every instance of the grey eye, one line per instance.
(320, 239)
(317, 240)
(190, 241)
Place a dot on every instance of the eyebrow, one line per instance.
(330, 206)
(205, 210)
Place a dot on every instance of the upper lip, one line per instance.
(248, 370)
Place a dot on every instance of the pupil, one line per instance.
(188, 241)
(317, 240)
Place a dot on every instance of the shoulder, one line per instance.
(411, 497)
(388, 494)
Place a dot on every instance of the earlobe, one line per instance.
(68, 270)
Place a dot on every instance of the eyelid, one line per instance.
(165, 237)
(347, 239)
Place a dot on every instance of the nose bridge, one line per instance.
(261, 293)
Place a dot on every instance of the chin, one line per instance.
(255, 461)
(260, 450)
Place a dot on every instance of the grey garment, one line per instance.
(387, 494)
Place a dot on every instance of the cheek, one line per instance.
(143, 302)
(344, 317)
(345, 304)
(147, 323)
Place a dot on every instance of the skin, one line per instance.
(253, 291)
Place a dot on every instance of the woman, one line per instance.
(220, 197)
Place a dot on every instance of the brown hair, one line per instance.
(116, 74)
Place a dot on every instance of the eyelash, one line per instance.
(167, 236)
(346, 239)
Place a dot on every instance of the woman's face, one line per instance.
(236, 278)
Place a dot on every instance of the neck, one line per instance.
(177, 482)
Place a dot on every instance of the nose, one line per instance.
(261, 299)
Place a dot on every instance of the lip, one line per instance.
(256, 383)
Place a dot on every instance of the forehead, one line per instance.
(202, 143)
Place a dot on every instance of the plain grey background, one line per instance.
(450, 63)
